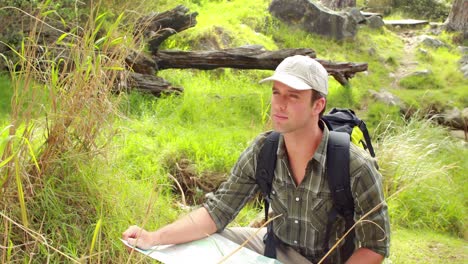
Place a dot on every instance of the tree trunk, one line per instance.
(458, 17)
(338, 4)
(159, 27)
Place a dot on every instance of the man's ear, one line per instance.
(319, 105)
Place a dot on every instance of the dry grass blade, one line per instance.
(148, 214)
(40, 238)
(361, 220)
(35, 18)
(180, 189)
(247, 241)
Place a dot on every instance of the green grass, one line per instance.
(426, 246)
(208, 123)
(237, 27)
(6, 92)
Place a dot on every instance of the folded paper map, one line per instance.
(212, 249)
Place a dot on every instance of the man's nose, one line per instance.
(282, 102)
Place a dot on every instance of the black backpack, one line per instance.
(341, 123)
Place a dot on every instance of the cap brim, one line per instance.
(289, 80)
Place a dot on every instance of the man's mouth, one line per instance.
(279, 117)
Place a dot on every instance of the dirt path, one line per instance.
(409, 63)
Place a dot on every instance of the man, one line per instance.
(300, 193)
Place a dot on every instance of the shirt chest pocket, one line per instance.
(317, 214)
(308, 207)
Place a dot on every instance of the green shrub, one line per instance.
(430, 9)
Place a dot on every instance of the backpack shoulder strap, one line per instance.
(266, 163)
(367, 138)
(337, 165)
(265, 171)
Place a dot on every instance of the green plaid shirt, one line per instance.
(305, 208)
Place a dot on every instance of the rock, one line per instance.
(425, 72)
(369, 14)
(465, 115)
(356, 14)
(463, 60)
(422, 51)
(387, 98)
(432, 42)
(459, 134)
(463, 49)
(464, 70)
(213, 39)
(436, 28)
(375, 22)
(314, 18)
(455, 118)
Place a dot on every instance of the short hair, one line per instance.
(317, 95)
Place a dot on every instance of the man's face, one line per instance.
(291, 109)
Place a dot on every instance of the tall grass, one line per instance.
(61, 118)
(423, 170)
(5, 97)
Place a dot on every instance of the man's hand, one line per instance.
(137, 236)
(365, 255)
(198, 224)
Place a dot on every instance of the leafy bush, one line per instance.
(430, 9)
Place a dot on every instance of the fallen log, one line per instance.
(158, 27)
(147, 83)
(247, 57)
(250, 57)
(343, 71)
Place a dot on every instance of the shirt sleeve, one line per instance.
(371, 214)
(224, 205)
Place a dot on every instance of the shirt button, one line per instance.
(296, 222)
(295, 241)
(297, 199)
(273, 192)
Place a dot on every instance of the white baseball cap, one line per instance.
(301, 73)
